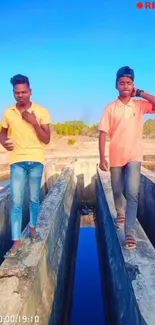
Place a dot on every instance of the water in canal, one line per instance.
(88, 299)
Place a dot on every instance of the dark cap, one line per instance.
(125, 72)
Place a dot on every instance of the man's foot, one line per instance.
(35, 235)
(15, 250)
(120, 221)
(130, 241)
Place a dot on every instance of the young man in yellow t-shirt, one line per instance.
(25, 133)
(123, 120)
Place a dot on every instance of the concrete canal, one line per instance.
(80, 272)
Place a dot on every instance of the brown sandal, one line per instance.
(130, 242)
(13, 252)
(120, 221)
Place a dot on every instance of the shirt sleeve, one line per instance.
(45, 118)
(104, 124)
(5, 123)
(146, 107)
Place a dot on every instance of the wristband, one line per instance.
(138, 92)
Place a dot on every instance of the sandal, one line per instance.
(120, 221)
(13, 252)
(130, 242)
(36, 237)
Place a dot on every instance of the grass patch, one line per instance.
(71, 141)
(151, 167)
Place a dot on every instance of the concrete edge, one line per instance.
(48, 180)
(22, 280)
(139, 263)
(148, 173)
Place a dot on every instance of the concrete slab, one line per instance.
(31, 281)
(139, 263)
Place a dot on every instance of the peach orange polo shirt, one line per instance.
(124, 124)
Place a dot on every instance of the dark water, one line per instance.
(88, 302)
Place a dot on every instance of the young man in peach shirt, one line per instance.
(28, 125)
(123, 120)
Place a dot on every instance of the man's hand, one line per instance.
(133, 94)
(7, 143)
(103, 164)
(29, 117)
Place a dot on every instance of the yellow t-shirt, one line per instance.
(27, 146)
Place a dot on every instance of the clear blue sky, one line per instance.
(71, 51)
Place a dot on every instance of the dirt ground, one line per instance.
(84, 146)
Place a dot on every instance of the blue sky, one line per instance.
(71, 51)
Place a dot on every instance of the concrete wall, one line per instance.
(41, 271)
(85, 171)
(35, 283)
(146, 206)
(49, 178)
(129, 275)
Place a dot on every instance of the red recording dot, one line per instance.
(139, 5)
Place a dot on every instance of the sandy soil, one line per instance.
(84, 146)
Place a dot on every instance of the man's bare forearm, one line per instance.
(102, 142)
(3, 135)
(41, 133)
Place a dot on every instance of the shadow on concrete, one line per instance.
(86, 194)
(146, 207)
(65, 276)
(61, 310)
(5, 213)
(121, 304)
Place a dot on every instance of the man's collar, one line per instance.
(120, 104)
(31, 109)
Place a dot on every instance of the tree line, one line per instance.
(73, 128)
(149, 128)
(80, 128)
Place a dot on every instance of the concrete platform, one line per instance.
(35, 284)
(138, 265)
(29, 283)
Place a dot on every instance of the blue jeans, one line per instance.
(20, 174)
(125, 183)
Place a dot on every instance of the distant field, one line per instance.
(83, 146)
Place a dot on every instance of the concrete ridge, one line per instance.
(140, 263)
(22, 280)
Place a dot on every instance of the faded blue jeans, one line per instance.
(125, 183)
(20, 174)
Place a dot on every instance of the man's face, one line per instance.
(22, 93)
(125, 86)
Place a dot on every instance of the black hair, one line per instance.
(19, 79)
(124, 72)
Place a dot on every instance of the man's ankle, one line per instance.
(33, 229)
(17, 243)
